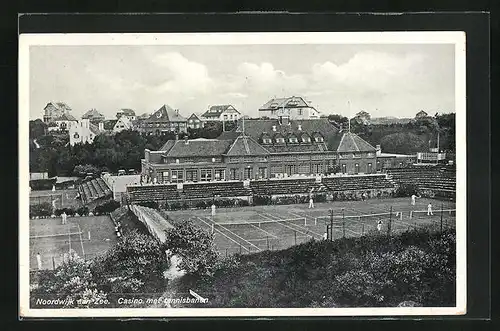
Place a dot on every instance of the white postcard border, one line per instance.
(453, 37)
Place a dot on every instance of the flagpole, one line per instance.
(349, 109)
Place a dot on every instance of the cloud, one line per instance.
(264, 77)
(183, 76)
(369, 70)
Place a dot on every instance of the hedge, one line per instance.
(42, 184)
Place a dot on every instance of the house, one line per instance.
(62, 123)
(84, 132)
(295, 108)
(125, 112)
(421, 114)
(194, 122)
(94, 116)
(165, 119)
(221, 113)
(123, 123)
(55, 110)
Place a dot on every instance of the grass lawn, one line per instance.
(52, 240)
(257, 228)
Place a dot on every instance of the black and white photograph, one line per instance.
(242, 174)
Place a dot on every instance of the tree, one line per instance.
(338, 119)
(72, 281)
(135, 264)
(37, 129)
(403, 143)
(195, 248)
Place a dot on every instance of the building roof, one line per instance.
(351, 142)
(66, 117)
(285, 102)
(94, 129)
(199, 147)
(125, 121)
(167, 146)
(91, 114)
(297, 148)
(166, 114)
(194, 116)
(215, 111)
(126, 112)
(59, 105)
(245, 145)
(255, 127)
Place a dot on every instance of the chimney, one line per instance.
(186, 140)
(379, 150)
(299, 128)
(101, 126)
(274, 128)
(176, 137)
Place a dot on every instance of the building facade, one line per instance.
(259, 149)
(163, 120)
(94, 116)
(123, 123)
(63, 123)
(221, 113)
(128, 113)
(195, 122)
(295, 108)
(54, 110)
(84, 132)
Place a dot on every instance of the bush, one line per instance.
(82, 211)
(260, 200)
(41, 210)
(406, 190)
(149, 204)
(107, 207)
(68, 211)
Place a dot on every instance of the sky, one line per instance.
(384, 80)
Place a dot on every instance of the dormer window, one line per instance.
(280, 140)
(318, 139)
(266, 140)
(293, 140)
(306, 139)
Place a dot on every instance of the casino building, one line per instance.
(259, 149)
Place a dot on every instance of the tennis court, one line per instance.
(257, 228)
(63, 198)
(87, 236)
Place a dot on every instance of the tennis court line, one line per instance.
(216, 224)
(268, 233)
(282, 220)
(299, 226)
(239, 244)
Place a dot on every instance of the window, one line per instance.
(370, 170)
(344, 169)
(304, 168)
(231, 116)
(225, 117)
(370, 154)
(205, 175)
(192, 175)
(177, 176)
(248, 173)
(273, 112)
(220, 174)
(319, 139)
(233, 174)
(293, 140)
(280, 140)
(165, 176)
(262, 172)
(266, 140)
(356, 168)
(306, 139)
(300, 111)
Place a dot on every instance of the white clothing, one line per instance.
(325, 236)
(379, 226)
(213, 210)
(429, 210)
(413, 197)
(311, 203)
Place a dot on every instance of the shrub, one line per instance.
(406, 190)
(107, 207)
(259, 200)
(68, 211)
(42, 209)
(149, 204)
(82, 211)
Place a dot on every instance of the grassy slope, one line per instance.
(372, 270)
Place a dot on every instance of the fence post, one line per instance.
(441, 221)
(331, 224)
(295, 236)
(343, 223)
(362, 228)
(390, 220)
(53, 263)
(240, 248)
(305, 221)
(267, 239)
(226, 252)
